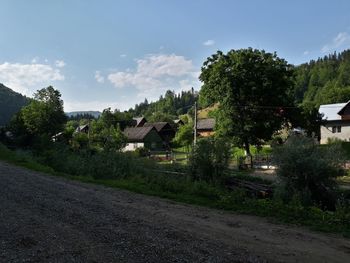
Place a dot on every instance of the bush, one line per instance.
(209, 159)
(308, 171)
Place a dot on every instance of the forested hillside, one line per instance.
(324, 81)
(10, 103)
(168, 107)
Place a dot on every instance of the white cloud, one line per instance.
(34, 60)
(26, 78)
(60, 63)
(123, 55)
(341, 40)
(155, 74)
(98, 105)
(209, 42)
(306, 52)
(99, 78)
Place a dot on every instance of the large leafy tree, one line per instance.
(44, 115)
(254, 91)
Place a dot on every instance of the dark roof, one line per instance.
(138, 120)
(205, 124)
(341, 112)
(158, 125)
(178, 121)
(82, 128)
(137, 134)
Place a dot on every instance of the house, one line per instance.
(205, 127)
(139, 121)
(164, 129)
(336, 124)
(179, 122)
(138, 137)
(83, 128)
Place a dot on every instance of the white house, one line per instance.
(336, 122)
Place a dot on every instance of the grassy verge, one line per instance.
(181, 189)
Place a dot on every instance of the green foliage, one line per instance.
(10, 103)
(167, 107)
(251, 86)
(308, 171)
(324, 81)
(43, 116)
(209, 159)
(184, 135)
(140, 179)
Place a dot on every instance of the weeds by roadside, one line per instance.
(183, 189)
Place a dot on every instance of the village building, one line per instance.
(138, 137)
(205, 127)
(166, 132)
(83, 128)
(139, 121)
(336, 122)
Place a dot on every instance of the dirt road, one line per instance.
(50, 219)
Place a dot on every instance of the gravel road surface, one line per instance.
(51, 219)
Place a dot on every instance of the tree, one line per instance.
(308, 171)
(184, 135)
(44, 115)
(253, 89)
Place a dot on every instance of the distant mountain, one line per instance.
(95, 114)
(10, 103)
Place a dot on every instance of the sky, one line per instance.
(116, 53)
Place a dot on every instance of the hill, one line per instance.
(10, 103)
(324, 81)
(74, 114)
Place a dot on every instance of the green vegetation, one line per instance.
(10, 103)
(167, 108)
(255, 94)
(183, 189)
(308, 172)
(253, 88)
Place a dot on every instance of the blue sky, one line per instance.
(114, 54)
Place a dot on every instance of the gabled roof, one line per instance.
(206, 124)
(137, 134)
(139, 120)
(331, 111)
(158, 125)
(178, 121)
(82, 127)
(341, 112)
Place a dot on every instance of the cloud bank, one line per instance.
(27, 78)
(154, 74)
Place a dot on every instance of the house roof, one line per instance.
(158, 125)
(137, 133)
(138, 120)
(206, 124)
(178, 121)
(331, 111)
(82, 127)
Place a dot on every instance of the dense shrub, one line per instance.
(308, 171)
(209, 159)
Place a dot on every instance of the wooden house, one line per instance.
(139, 121)
(205, 127)
(147, 137)
(83, 128)
(164, 129)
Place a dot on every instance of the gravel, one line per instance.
(51, 219)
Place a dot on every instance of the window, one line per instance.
(338, 128)
(334, 129)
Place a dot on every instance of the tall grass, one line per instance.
(141, 176)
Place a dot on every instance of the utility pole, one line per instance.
(195, 123)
